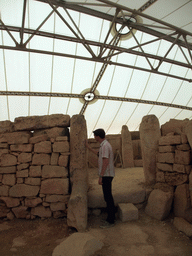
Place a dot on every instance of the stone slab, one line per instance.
(127, 212)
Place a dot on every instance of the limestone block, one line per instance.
(52, 133)
(63, 160)
(4, 190)
(127, 147)
(179, 168)
(165, 149)
(20, 212)
(138, 163)
(43, 147)
(61, 138)
(127, 212)
(41, 159)
(183, 226)
(78, 244)
(3, 151)
(41, 211)
(9, 179)
(35, 171)
(159, 204)
(61, 146)
(170, 140)
(165, 167)
(33, 181)
(175, 179)
(188, 132)
(16, 137)
(166, 158)
(20, 180)
(59, 206)
(8, 160)
(20, 190)
(22, 166)
(57, 198)
(38, 138)
(24, 157)
(21, 147)
(160, 176)
(150, 135)
(22, 173)
(190, 186)
(182, 157)
(1, 177)
(40, 122)
(174, 125)
(54, 158)
(184, 147)
(10, 202)
(54, 186)
(4, 145)
(181, 200)
(3, 211)
(33, 202)
(164, 187)
(8, 169)
(184, 139)
(6, 126)
(49, 171)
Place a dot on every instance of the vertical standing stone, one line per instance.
(188, 132)
(77, 205)
(127, 147)
(149, 134)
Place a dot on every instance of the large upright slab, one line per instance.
(149, 134)
(77, 206)
(127, 147)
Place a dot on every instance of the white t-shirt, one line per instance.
(106, 151)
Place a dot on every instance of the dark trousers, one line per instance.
(107, 192)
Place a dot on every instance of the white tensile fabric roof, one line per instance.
(112, 61)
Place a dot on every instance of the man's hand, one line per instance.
(100, 181)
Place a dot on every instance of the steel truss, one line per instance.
(176, 37)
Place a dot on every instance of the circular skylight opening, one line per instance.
(88, 96)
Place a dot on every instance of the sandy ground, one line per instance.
(143, 237)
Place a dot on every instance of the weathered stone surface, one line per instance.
(54, 158)
(24, 157)
(4, 151)
(40, 122)
(159, 204)
(78, 244)
(4, 145)
(22, 166)
(4, 190)
(41, 159)
(137, 155)
(165, 167)
(160, 176)
(165, 149)
(52, 133)
(59, 206)
(183, 226)
(127, 147)
(3, 211)
(39, 138)
(166, 158)
(35, 171)
(16, 137)
(188, 129)
(77, 206)
(41, 211)
(20, 212)
(175, 126)
(179, 168)
(8, 160)
(61, 138)
(56, 198)
(33, 202)
(181, 200)
(183, 147)
(182, 157)
(63, 160)
(22, 173)
(6, 126)
(9, 179)
(170, 140)
(61, 146)
(10, 202)
(127, 212)
(33, 181)
(54, 186)
(49, 171)
(8, 169)
(175, 179)
(164, 187)
(20, 190)
(150, 135)
(43, 147)
(190, 186)
(21, 147)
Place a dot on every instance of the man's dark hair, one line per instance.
(100, 133)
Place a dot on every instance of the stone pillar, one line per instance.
(77, 206)
(188, 132)
(127, 147)
(149, 134)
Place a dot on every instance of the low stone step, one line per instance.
(127, 212)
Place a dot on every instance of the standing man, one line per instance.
(106, 173)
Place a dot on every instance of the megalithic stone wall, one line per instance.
(149, 135)
(78, 206)
(127, 147)
(34, 153)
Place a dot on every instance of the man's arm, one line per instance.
(104, 167)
